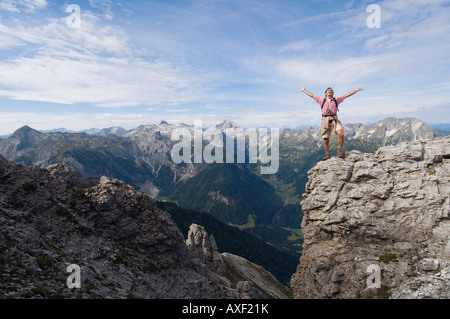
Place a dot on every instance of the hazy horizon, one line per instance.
(299, 127)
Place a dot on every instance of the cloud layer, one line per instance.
(22, 5)
(92, 64)
(242, 60)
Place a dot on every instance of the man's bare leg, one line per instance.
(340, 133)
(326, 144)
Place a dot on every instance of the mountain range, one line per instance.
(130, 245)
(266, 206)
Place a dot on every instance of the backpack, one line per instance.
(323, 103)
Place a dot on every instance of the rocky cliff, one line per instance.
(250, 280)
(377, 225)
(125, 246)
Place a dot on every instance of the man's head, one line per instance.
(329, 93)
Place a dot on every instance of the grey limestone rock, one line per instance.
(124, 244)
(204, 248)
(389, 209)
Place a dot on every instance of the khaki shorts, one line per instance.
(332, 128)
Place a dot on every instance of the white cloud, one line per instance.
(34, 4)
(105, 6)
(8, 5)
(94, 64)
(25, 5)
(410, 50)
(177, 110)
(345, 71)
(320, 17)
(296, 46)
(9, 122)
(67, 81)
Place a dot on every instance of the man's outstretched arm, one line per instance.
(308, 93)
(353, 92)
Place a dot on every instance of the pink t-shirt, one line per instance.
(333, 106)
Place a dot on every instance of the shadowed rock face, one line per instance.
(388, 210)
(251, 281)
(204, 249)
(125, 246)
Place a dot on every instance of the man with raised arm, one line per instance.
(330, 122)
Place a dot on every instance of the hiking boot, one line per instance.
(340, 153)
(328, 156)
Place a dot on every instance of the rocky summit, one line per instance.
(377, 225)
(62, 236)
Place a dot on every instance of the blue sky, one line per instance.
(140, 62)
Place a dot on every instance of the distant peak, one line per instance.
(27, 129)
(227, 124)
(163, 123)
